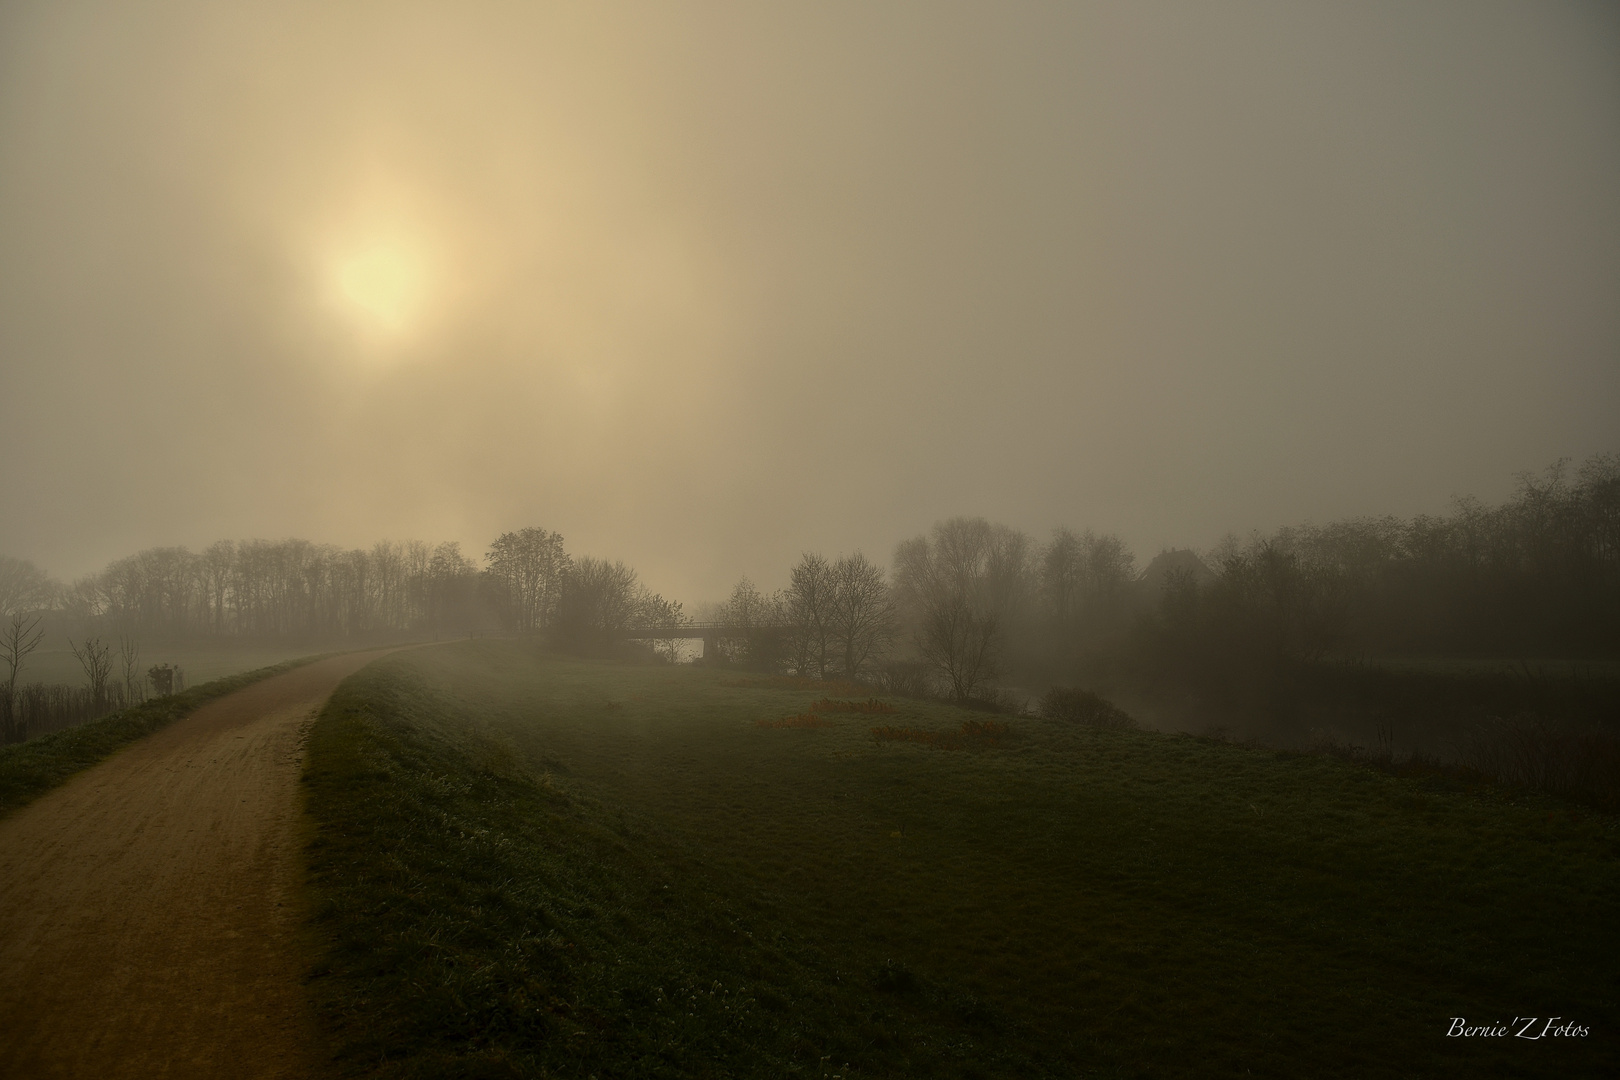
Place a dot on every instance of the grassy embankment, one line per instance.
(29, 769)
(530, 866)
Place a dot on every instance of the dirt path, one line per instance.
(146, 918)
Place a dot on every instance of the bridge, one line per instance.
(711, 633)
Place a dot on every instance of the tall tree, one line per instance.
(759, 617)
(450, 587)
(810, 600)
(603, 601)
(960, 589)
(1085, 580)
(20, 636)
(23, 586)
(862, 622)
(528, 567)
(96, 659)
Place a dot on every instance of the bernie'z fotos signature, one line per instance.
(1523, 1027)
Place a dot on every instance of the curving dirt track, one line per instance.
(148, 925)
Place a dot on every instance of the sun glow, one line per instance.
(382, 284)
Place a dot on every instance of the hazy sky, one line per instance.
(704, 286)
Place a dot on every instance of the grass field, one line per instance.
(533, 866)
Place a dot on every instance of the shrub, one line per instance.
(871, 705)
(1078, 706)
(909, 677)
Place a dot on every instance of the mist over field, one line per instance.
(705, 287)
(848, 541)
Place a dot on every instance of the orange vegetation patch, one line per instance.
(871, 705)
(808, 719)
(972, 733)
(812, 717)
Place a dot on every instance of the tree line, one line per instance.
(834, 619)
(1536, 577)
(972, 603)
(296, 590)
(962, 607)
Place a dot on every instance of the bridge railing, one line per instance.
(704, 630)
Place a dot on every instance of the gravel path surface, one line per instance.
(148, 918)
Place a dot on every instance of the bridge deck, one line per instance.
(702, 630)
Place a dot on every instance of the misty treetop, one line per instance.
(1538, 576)
(23, 586)
(294, 589)
(528, 568)
(970, 602)
(265, 589)
(835, 619)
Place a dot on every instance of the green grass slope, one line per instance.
(29, 769)
(526, 866)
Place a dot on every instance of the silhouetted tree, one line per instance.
(129, 653)
(1085, 582)
(959, 590)
(214, 568)
(20, 636)
(450, 586)
(863, 619)
(809, 603)
(96, 660)
(603, 602)
(23, 586)
(748, 609)
(528, 567)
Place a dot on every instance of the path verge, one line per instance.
(30, 769)
(151, 902)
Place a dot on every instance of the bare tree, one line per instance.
(129, 654)
(955, 639)
(21, 636)
(96, 659)
(598, 602)
(215, 569)
(960, 589)
(862, 622)
(810, 611)
(1085, 580)
(757, 616)
(528, 567)
(962, 644)
(748, 607)
(653, 611)
(603, 602)
(23, 586)
(451, 579)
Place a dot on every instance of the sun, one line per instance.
(382, 283)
